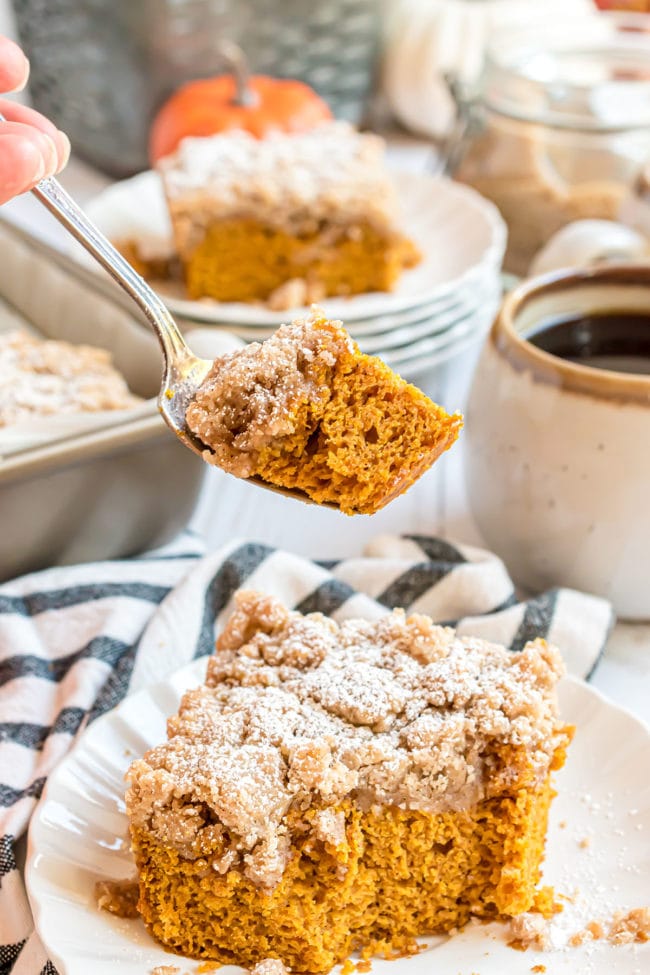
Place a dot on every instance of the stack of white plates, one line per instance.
(437, 309)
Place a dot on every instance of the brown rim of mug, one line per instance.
(523, 355)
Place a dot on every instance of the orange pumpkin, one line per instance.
(258, 104)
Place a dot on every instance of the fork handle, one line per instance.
(52, 195)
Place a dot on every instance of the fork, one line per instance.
(183, 372)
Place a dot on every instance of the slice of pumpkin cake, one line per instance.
(307, 410)
(334, 787)
(288, 219)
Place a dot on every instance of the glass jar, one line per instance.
(559, 126)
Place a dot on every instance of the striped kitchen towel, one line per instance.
(74, 640)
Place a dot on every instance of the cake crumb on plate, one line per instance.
(119, 897)
(529, 931)
(269, 966)
(630, 926)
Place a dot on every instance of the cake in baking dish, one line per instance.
(288, 219)
(307, 410)
(339, 787)
(42, 377)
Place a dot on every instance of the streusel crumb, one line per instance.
(269, 966)
(529, 931)
(119, 897)
(630, 926)
(257, 388)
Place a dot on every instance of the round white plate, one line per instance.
(78, 835)
(458, 231)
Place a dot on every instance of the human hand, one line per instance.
(31, 147)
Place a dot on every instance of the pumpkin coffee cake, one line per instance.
(307, 410)
(339, 787)
(288, 219)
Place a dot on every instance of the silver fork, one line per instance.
(183, 372)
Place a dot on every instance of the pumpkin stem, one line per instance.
(237, 65)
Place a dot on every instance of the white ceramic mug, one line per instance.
(558, 453)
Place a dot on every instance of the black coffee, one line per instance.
(608, 340)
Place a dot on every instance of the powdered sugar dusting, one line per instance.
(299, 711)
(291, 181)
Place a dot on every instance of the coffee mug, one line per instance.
(558, 435)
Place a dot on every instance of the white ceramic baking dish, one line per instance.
(103, 493)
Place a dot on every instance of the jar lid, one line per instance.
(587, 74)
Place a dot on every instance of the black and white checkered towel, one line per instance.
(69, 647)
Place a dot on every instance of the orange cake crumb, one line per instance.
(340, 787)
(307, 410)
(593, 931)
(288, 219)
(538, 968)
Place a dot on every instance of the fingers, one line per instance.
(14, 66)
(14, 112)
(31, 147)
(26, 156)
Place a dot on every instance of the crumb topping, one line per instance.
(250, 397)
(529, 930)
(630, 926)
(622, 928)
(300, 712)
(119, 897)
(269, 966)
(291, 181)
(41, 378)
(593, 931)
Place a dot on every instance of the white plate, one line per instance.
(78, 835)
(457, 230)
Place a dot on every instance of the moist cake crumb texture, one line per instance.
(307, 410)
(41, 378)
(334, 787)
